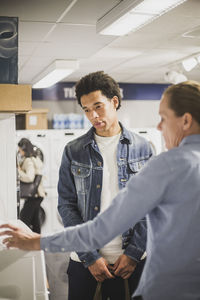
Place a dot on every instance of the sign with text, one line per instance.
(129, 91)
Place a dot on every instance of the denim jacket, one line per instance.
(80, 182)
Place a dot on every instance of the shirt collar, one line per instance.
(190, 139)
(125, 136)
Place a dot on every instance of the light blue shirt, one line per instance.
(168, 191)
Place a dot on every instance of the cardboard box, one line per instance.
(34, 119)
(15, 98)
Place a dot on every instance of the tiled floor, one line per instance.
(56, 266)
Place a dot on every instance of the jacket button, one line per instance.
(98, 186)
(96, 208)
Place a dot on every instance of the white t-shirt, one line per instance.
(110, 188)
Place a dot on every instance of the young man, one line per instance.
(94, 168)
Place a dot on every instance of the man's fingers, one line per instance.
(7, 240)
(6, 232)
(8, 226)
(108, 274)
(100, 279)
(117, 272)
(104, 275)
(125, 275)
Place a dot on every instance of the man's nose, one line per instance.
(159, 126)
(94, 114)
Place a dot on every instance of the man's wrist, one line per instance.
(36, 242)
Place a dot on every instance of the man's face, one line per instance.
(101, 112)
(170, 125)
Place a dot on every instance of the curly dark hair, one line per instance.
(27, 147)
(98, 81)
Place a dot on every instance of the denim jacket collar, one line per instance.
(125, 136)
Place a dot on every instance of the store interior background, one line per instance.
(66, 30)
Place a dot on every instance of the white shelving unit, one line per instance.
(8, 201)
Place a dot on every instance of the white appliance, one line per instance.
(22, 275)
(58, 140)
(152, 135)
(52, 143)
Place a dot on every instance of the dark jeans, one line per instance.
(30, 213)
(82, 284)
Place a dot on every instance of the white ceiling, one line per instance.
(66, 29)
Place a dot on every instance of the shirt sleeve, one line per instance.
(141, 195)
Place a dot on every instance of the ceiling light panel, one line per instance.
(189, 63)
(156, 6)
(198, 59)
(125, 24)
(55, 72)
(131, 15)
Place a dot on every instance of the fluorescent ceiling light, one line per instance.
(55, 72)
(174, 77)
(130, 15)
(198, 59)
(189, 63)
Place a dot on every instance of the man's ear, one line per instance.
(115, 101)
(187, 121)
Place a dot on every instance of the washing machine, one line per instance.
(51, 143)
(152, 135)
(58, 140)
(40, 139)
(53, 222)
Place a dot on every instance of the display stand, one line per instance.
(13, 99)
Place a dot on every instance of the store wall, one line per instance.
(133, 113)
(8, 200)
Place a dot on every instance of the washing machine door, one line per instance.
(59, 139)
(153, 136)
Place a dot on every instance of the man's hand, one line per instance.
(124, 266)
(20, 238)
(99, 269)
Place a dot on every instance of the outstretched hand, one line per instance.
(21, 238)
